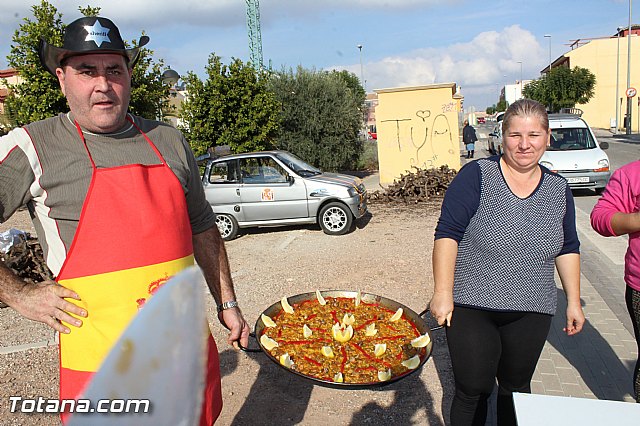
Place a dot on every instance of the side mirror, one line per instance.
(604, 145)
(291, 180)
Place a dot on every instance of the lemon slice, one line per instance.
(383, 376)
(320, 298)
(341, 334)
(412, 362)
(327, 351)
(348, 319)
(421, 342)
(267, 342)
(306, 331)
(267, 321)
(379, 349)
(285, 360)
(395, 317)
(286, 306)
(371, 330)
(338, 378)
(358, 298)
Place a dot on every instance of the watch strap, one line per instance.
(227, 305)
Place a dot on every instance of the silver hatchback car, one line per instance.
(272, 188)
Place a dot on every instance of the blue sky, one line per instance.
(476, 44)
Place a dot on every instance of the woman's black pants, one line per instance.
(632, 297)
(485, 345)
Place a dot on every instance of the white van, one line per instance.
(575, 154)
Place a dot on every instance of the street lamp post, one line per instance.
(618, 82)
(520, 62)
(170, 78)
(628, 119)
(549, 37)
(364, 85)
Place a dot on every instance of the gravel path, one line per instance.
(389, 254)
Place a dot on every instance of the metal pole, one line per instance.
(618, 84)
(520, 62)
(628, 130)
(549, 37)
(364, 85)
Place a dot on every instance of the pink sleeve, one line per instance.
(617, 197)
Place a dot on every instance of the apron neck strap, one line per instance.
(130, 120)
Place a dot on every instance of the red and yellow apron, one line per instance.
(134, 234)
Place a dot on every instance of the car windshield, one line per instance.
(569, 139)
(297, 165)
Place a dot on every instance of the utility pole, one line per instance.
(629, 99)
(618, 82)
(364, 84)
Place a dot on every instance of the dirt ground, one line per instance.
(388, 254)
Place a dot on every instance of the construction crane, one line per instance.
(255, 36)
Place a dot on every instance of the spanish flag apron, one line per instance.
(134, 234)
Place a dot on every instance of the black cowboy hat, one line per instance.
(87, 35)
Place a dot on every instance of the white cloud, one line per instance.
(478, 66)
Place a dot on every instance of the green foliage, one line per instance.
(321, 117)
(562, 88)
(491, 110)
(38, 95)
(231, 107)
(501, 106)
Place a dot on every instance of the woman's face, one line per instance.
(524, 142)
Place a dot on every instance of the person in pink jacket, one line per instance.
(617, 212)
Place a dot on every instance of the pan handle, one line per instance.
(247, 349)
(424, 313)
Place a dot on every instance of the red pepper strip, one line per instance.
(312, 361)
(335, 317)
(318, 329)
(312, 316)
(280, 333)
(360, 327)
(302, 342)
(390, 327)
(344, 359)
(386, 364)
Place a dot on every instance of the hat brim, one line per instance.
(52, 56)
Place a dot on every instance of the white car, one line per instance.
(575, 154)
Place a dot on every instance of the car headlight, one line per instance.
(603, 166)
(547, 164)
(352, 191)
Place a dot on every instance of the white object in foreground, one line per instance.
(536, 410)
(161, 357)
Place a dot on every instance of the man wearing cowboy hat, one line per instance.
(118, 207)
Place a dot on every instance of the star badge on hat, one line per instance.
(85, 36)
(97, 33)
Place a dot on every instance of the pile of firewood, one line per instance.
(419, 185)
(27, 261)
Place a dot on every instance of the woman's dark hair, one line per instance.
(525, 108)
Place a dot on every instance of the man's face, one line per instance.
(98, 89)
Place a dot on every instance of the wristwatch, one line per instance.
(227, 305)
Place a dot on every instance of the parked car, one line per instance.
(575, 154)
(481, 120)
(495, 139)
(272, 188)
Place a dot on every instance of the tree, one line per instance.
(501, 106)
(321, 117)
(491, 110)
(38, 95)
(562, 88)
(231, 107)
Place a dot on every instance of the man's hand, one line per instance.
(45, 302)
(238, 327)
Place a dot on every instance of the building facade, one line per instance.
(417, 126)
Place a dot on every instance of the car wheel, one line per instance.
(227, 225)
(335, 219)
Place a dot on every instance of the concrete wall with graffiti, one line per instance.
(417, 126)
